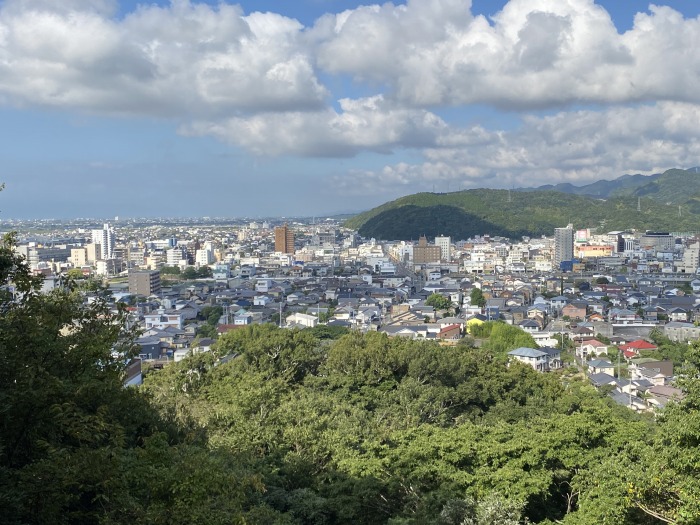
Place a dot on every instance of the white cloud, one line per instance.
(537, 53)
(578, 147)
(364, 124)
(182, 60)
(254, 80)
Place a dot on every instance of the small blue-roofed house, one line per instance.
(537, 359)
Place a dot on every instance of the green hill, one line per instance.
(513, 214)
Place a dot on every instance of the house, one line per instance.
(597, 366)
(451, 332)
(591, 347)
(529, 325)
(633, 348)
(541, 360)
(658, 372)
(574, 311)
(601, 379)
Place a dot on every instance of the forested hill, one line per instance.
(374, 430)
(670, 202)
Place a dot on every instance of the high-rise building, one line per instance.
(284, 239)
(144, 282)
(444, 244)
(563, 245)
(105, 238)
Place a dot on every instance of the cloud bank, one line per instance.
(591, 102)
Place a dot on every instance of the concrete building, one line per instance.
(144, 282)
(563, 245)
(105, 238)
(78, 257)
(284, 239)
(424, 253)
(444, 243)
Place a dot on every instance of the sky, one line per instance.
(265, 108)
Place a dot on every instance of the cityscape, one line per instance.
(333, 262)
(576, 285)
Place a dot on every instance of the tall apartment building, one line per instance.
(105, 238)
(284, 239)
(424, 253)
(444, 243)
(144, 282)
(563, 244)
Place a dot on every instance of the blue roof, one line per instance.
(526, 352)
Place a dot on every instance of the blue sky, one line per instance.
(311, 107)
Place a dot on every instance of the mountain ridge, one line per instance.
(668, 201)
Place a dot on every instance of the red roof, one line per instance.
(636, 346)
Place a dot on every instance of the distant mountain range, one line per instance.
(667, 201)
(660, 185)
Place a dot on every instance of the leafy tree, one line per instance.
(170, 270)
(75, 445)
(477, 297)
(438, 301)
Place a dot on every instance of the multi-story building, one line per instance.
(144, 282)
(444, 243)
(563, 245)
(105, 238)
(284, 239)
(424, 253)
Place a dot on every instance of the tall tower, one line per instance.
(105, 238)
(284, 239)
(563, 244)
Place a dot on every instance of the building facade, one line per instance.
(144, 282)
(563, 245)
(284, 239)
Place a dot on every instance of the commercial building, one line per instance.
(444, 243)
(424, 253)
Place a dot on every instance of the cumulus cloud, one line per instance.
(534, 54)
(182, 60)
(364, 124)
(256, 80)
(579, 147)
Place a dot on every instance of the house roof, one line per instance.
(527, 352)
(600, 363)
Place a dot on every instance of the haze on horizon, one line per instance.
(270, 108)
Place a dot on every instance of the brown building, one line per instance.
(424, 253)
(284, 239)
(144, 282)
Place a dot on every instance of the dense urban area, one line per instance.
(341, 379)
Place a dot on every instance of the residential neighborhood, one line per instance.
(185, 285)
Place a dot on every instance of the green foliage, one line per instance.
(513, 214)
(75, 445)
(438, 301)
(477, 297)
(170, 270)
(203, 272)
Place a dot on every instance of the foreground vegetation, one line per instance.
(290, 428)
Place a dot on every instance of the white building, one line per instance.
(444, 243)
(105, 238)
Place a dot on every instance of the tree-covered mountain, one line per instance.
(669, 202)
(672, 186)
